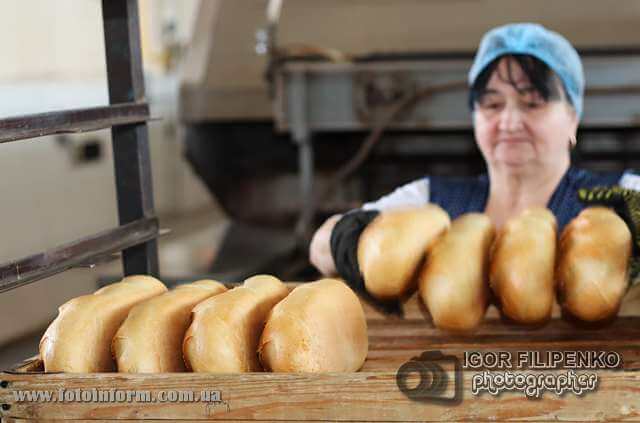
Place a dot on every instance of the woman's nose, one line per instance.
(510, 119)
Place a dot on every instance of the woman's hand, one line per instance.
(320, 247)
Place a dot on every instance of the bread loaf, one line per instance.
(319, 327)
(453, 283)
(79, 339)
(150, 339)
(522, 266)
(224, 334)
(393, 246)
(592, 270)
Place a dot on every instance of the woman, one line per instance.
(526, 94)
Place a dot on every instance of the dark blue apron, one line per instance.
(465, 195)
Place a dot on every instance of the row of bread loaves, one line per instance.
(456, 266)
(137, 326)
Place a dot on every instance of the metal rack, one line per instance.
(126, 115)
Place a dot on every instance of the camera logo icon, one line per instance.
(434, 381)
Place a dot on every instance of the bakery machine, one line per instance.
(427, 94)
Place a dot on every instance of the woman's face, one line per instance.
(517, 129)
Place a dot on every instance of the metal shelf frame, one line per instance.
(127, 115)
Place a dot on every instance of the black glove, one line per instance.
(626, 203)
(344, 249)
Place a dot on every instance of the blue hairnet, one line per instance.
(537, 41)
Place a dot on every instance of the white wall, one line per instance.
(51, 39)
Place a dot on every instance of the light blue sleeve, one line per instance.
(414, 194)
(630, 180)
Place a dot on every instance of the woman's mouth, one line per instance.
(513, 140)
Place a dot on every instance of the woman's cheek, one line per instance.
(484, 137)
(485, 147)
(552, 131)
(547, 140)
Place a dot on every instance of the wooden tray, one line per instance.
(371, 394)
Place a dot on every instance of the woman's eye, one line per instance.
(533, 104)
(491, 106)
